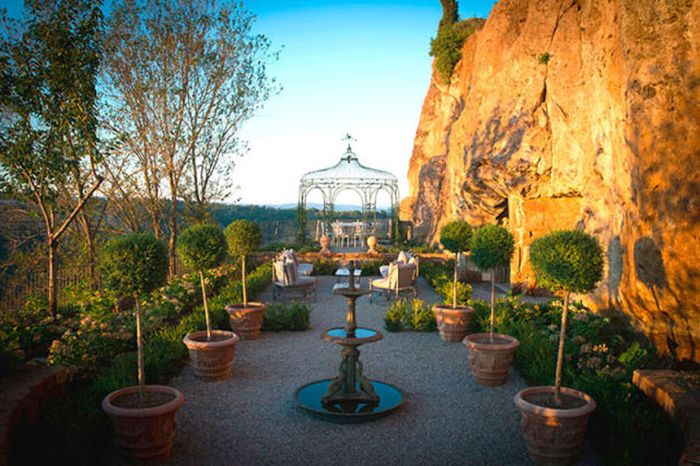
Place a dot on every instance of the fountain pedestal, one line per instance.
(350, 396)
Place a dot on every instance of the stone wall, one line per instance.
(578, 114)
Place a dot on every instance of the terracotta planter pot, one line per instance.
(246, 321)
(144, 434)
(211, 360)
(453, 323)
(489, 361)
(553, 436)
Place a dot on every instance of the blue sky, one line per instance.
(345, 66)
(357, 67)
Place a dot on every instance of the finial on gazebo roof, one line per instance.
(349, 139)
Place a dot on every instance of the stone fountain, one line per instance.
(350, 396)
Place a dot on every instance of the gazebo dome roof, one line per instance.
(347, 170)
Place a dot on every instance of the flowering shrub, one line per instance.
(103, 331)
(601, 355)
(79, 415)
(30, 330)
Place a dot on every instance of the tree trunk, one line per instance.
(92, 261)
(454, 283)
(560, 353)
(245, 294)
(52, 278)
(206, 305)
(139, 349)
(172, 221)
(493, 303)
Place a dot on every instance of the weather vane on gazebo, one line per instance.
(349, 139)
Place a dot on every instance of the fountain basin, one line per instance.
(308, 397)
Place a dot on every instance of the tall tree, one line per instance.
(48, 68)
(450, 12)
(186, 74)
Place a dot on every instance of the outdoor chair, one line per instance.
(358, 235)
(400, 278)
(288, 275)
(403, 258)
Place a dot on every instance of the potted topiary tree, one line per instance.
(202, 247)
(243, 237)
(143, 415)
(491, 354)
(554, 418)
(455, 321)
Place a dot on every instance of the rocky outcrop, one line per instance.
(578, 114)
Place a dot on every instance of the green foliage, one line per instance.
(544, 58)
(78, 415)
(301, 223)
(202, 247)
(491, 246)
(567, 260)
(456, 236)
(450, 12)
(48, 71)
(410, 314)
(444, 289)
(446, 47)
(370, 268)
(323, 267)
(135, 264)
(602, 354)
(293, 316)
(243, 237)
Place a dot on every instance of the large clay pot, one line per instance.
(553, 436)
(453, 323)
(247, 320)
(144, 434)
(490, 361)
(325, 242)
(372, 243)
(211, 359)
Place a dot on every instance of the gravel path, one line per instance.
(250, 418)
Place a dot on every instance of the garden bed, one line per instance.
(104, 367)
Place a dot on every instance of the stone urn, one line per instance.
(554, 435)
(490, 359)
(144, 432)
(211, 359)
(453, 323)
(372, 243)
(325, 241)
(246, 320)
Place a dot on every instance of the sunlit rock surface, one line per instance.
(585, 114)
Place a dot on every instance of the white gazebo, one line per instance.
(349, 175)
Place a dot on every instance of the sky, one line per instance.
(345, 67)
(357, 67)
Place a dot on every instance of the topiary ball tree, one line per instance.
(569, 262)
(456, 237)
(202, 247)
(492, 246)
(134, 265)
(243, 237)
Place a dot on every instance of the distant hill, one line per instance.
(319, 206)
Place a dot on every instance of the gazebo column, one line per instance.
(327, 211)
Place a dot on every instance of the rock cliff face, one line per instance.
(578, 114)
